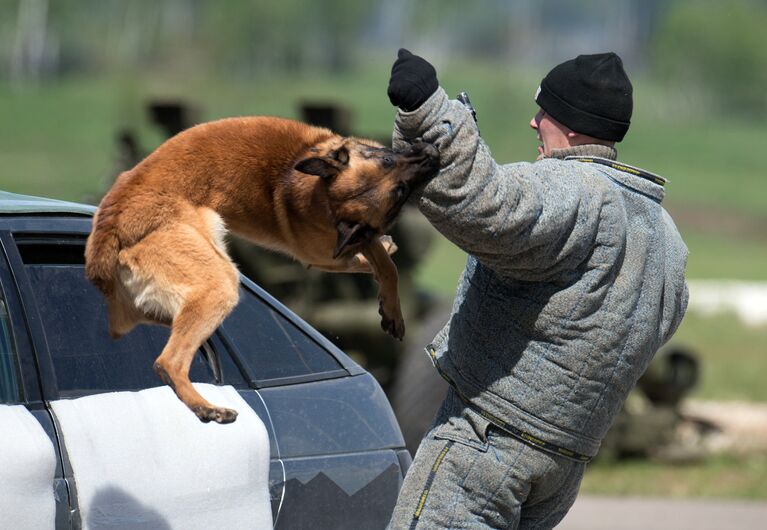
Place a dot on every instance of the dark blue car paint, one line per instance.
(337, 453)
(361, 486)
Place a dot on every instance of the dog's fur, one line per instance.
(157, 249)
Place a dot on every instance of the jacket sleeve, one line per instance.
(525, 221)
(676, 294)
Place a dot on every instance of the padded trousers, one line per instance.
(469, 474)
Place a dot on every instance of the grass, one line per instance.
(732, 355)
(717, 256)
(733, 477)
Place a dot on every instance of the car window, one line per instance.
(73, 313)
(9, 362)
(272, 346)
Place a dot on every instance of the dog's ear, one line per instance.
(325, 166)
(340, 155)
(350, 234)
(318, 166)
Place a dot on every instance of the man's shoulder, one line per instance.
(558, 173)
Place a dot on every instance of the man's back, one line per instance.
(554, 350)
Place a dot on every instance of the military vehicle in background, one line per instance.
(650, 424)
(344, 308)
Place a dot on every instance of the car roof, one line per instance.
(14, 203)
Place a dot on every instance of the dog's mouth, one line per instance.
(423, 157)
(421, 164)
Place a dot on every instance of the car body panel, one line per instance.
(318, 488)
(331, 417)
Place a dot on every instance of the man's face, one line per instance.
(551, 133)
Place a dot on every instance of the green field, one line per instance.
(718, 477)
(58, 141)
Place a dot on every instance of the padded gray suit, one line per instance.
(575, 278)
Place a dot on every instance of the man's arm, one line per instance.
(523, 220)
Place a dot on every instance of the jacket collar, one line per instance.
(644, 182)
(638, 179)
(597, 150)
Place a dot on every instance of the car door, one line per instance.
(19, 376)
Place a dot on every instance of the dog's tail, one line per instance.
(103, 247)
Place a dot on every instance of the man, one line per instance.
(575, 278)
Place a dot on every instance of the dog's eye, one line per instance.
(388, 161)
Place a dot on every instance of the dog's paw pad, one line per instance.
(225, 415)
(217, 414)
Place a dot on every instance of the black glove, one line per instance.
(413, 80)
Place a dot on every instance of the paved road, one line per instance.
(603, 513)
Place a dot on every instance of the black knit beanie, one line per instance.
(590, 94)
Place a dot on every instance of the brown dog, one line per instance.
(157, 248)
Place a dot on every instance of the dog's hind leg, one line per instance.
(182, 275)
(196, 320)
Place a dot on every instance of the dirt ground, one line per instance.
(610, 513)
(739, 427)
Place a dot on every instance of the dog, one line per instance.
(157, 249)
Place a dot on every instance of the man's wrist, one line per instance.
(414, 123)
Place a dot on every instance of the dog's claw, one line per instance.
(393, 326)
(388, 243)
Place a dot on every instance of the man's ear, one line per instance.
(320, 167)
(350, 234)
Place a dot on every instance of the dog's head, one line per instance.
(367, 184)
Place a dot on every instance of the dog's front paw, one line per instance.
(217, 414)
(394, 325)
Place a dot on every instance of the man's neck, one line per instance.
(598, 150)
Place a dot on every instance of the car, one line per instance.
(336, 454)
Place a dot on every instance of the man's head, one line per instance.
(584, 100)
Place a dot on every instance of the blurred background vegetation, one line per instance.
(73, 73)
